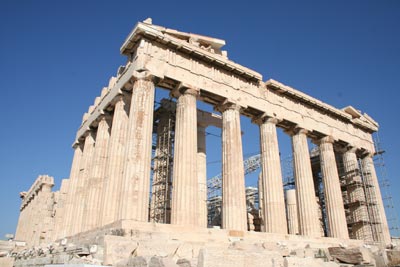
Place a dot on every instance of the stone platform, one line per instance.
(131, 243)
(73, 265)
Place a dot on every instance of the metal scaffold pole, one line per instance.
(384, 183)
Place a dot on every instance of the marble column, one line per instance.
(112, 188)
(27, 223)
(234, 210)
(337, 225)
(30, 218)
(81, 188)
(60, 216)
(136, 188)
(97, 174)
(25, 226)
(71, 194)
(291, 211)
(307, 207)
(185, 180)
(202, 174)
(46, 220)
(360, 225)
(274, 201)
(19, 232)
(381, 227)
(36, 220)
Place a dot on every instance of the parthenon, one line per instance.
(121, 179)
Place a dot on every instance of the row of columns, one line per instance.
(336, 218)
(36, 221)
(110, 173)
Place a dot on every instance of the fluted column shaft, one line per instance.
(337, 225)
(37, 218)
(374, 193)
(291, 210)
(135, 200)
(59, 231)
(19, 232)
(234, 211)
(274, 201)
(361, 228)
(97, 174)
(42, 225)
(185, 181)
(81, 189)
(71, 194)
(27, 224)
(112, 188)
(32, 219)
(306, 204)
(46, 220)
(202, 174)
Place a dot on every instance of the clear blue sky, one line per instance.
(55, 56)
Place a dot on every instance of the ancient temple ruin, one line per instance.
(122, 184)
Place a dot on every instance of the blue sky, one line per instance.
(55, 56)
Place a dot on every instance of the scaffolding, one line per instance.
(319, 190)
(384, 184)
(359, 197)
(251, 164)
(214, 184)
(214, 205)
(160, 205)
(357, 188)
(214, 199)
(355, 202)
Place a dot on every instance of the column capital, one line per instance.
(144, 76)
(90, 132)
(296, 130)
(122, 95)
(76, 144)
(265, 119)
(325, 140)
(367, 154)
(185, 89)
(228, 105)
(47, 185)
(105, 116)
(348, 149)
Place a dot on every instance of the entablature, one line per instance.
(36, 186)
(164, 36)
(171, 61)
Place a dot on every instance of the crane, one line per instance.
(214, 184)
